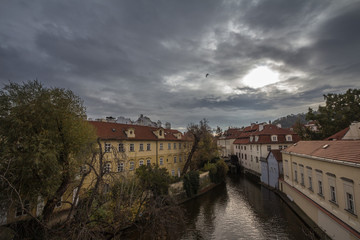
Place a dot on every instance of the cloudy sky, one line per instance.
(265, 59)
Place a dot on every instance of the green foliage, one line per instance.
(339, 112)
(44, 138)
(217, 171)
(153, 178)
(191, 183)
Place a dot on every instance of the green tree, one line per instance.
(339, 112)
(44, 141)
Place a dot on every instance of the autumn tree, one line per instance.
(339, 112)
(44, 141)
(204, 147)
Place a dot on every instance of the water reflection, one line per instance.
(241, 209)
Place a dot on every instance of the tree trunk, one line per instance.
(188, 160)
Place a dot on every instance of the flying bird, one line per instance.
(207, 75)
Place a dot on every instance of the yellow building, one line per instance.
(322, 178)
(127, 147)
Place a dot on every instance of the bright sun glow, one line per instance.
(260, 77)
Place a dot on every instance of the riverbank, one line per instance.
(178, 192)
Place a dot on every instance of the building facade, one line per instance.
(322, 178)
(253, 146)
(271, 169)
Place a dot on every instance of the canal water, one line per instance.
(241, 209)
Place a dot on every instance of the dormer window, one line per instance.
(274, 138)
(160, 133)
(251, 138)
(256, 138)
(288, 138)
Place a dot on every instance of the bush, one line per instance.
(191, 183)
(217, 171)
(153, 178)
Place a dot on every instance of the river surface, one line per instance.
(241, 209)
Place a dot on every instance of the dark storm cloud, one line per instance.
(151, 57)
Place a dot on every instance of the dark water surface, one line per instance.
(241, 209)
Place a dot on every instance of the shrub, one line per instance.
(217, 171)
(191, 183)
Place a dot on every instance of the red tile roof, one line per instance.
(265, 135)
(339, 135)
(116, 131)
(348, 151)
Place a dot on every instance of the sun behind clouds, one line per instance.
(260, 77)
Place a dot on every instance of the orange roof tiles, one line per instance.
(348, 151)
(116, 131)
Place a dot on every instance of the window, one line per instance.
(174, 159)
(132, 148)
(180, 159)
(332, 186)
(257, 159)
(160, 133)
(174, 145)
(349, 195)
(244, 147)
(280, 147)
(106, 188)
(107, 167)
(286, 168)
(179, 145)
(107, 147)
(148, 162)
(245, 157)
(161, 162)
(295, 172)
(350, 202)
(120, 167)
(319, 182)
(141, 162)
(288, 138)
(132, 165)
(257, 147)
(173, 173)
(169, 146)
(285, 146)
(309, 173)
(332, 194)
(161, 146)
(302, 178)
(148, 147)
(121, 147)
(22, 211)
(141, 147)
(274, 138)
